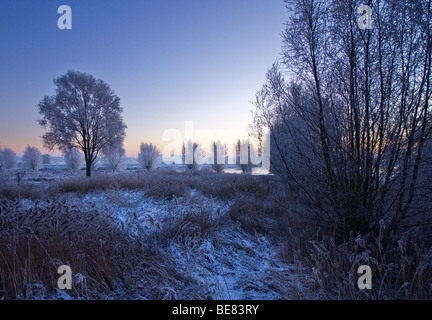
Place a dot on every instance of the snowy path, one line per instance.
(225, 261)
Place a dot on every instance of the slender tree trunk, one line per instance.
(88, 168)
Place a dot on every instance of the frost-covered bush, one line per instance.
(46, 159)
(7, 163)
(115, 157)
(73, 159)
(148, 156)
(7, 159)
(32, 158)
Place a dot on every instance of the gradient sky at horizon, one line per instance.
(169, 61)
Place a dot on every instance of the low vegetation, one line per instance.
(47, 223)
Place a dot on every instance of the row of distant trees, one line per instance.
(115, 158)
(218, 155)
(31, 160)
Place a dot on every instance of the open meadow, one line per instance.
(180, 234)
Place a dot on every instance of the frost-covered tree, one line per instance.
(115, 157)
(349, 111)
(32, 158)
(8, 159)
(46, 159)
(84, 113)
(73, 159)
(243, 156)
(148, 156)
(190, 153)
(220, 156)
(7, 163)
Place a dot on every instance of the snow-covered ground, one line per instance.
(169, 235)
(213, 256)
(226, 261)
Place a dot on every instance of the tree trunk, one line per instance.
(88, 168)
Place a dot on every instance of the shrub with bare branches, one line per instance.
(32, 158)
(115, 157)
(8, 159)
(73, 159)
(148, 157)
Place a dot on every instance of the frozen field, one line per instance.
(181, 234)
(199, 238)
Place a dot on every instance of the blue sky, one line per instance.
(168, 61)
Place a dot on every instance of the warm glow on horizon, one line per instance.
(228, 135)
